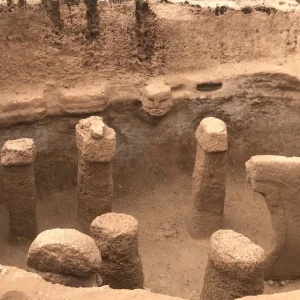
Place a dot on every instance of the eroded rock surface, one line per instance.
(116, 235)
(64, 251)
(18, 152)
(19, 190)
(69, 280)
(277, 178)
(235, 267)
(95, 140)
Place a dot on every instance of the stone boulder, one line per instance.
(14, 295)
(64, 251)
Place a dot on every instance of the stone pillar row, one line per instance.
(96, 144)
(110, 257)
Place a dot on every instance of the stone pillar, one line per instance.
(209, 178)
(96, 144)
(117, 238)
(277, 179)
(235, 267)
(17, 158)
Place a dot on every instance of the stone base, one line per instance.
(220, 286)
(203, 225)
(69, 280)
(126, 274)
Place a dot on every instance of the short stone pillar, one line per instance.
(277, 179)
(117, 238)
(17, 158)
(235, 268)
(209, 178)
(96, 143)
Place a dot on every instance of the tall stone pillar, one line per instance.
(209, 178)
(277, 179)
(17, 158)
(235, 268)
(96, 143)
(116, 235)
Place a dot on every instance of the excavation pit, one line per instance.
(152, 175)
(57, 75)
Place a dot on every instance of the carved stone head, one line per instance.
(158, 99)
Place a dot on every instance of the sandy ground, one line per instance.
(174, 263)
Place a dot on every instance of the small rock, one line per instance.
(195, 295)
(14, 295)
(97, 129)
(270, 282)
(283, 282)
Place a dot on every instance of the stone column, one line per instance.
(209, 178)
(96, 145)
(117, 238)
(17, 158)
(277, 179)
(235, 268)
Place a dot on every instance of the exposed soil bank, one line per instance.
(178, 38)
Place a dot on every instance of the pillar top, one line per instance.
(115, 224)
(211, 134)
(273, 168)
(18, 152)
(115, 233)
(95, 140)
(233, 253)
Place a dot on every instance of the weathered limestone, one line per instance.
(83, 101)
(209, 178)
(158, 99)
(277, 178)
(235, 268)
(22, 110)
(96, 143)
(117, 238)
(66, 252)
(17, 158)
(69, 280)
